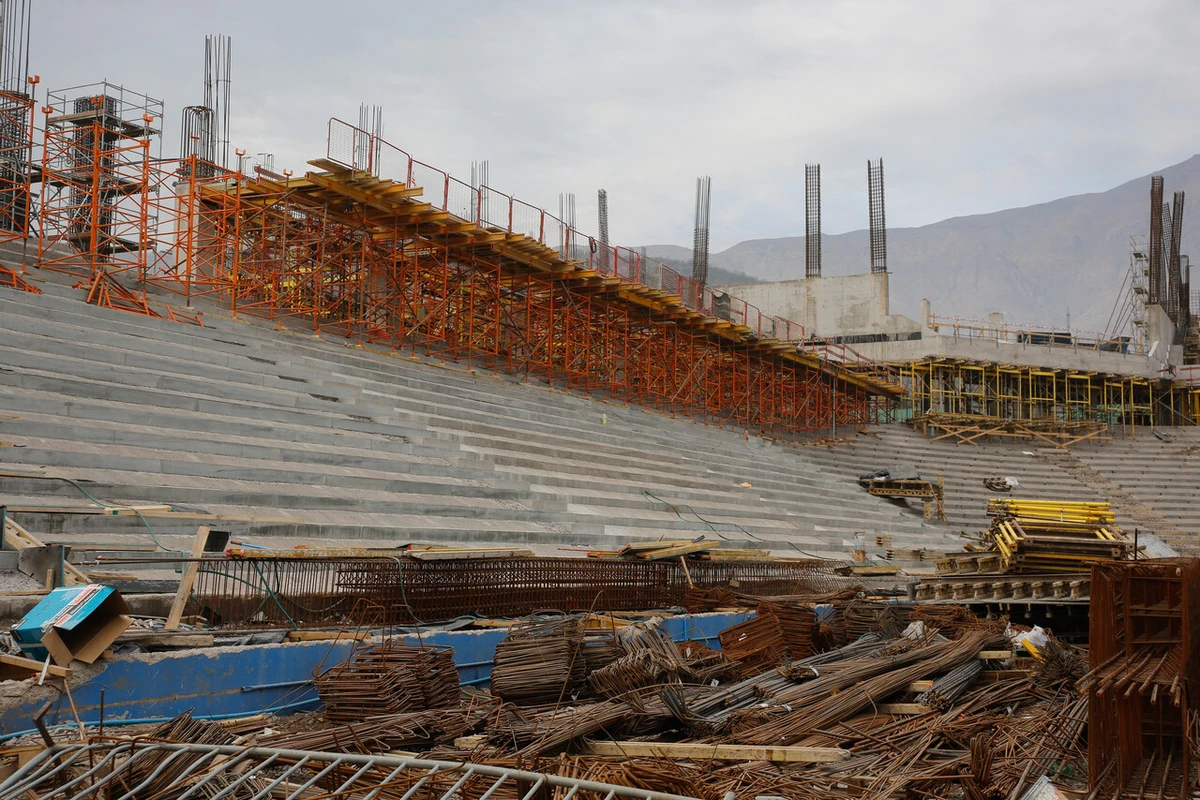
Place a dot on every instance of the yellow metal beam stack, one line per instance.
(1054, 535)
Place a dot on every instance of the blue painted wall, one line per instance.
(221, 682)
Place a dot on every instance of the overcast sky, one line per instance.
(973, 105)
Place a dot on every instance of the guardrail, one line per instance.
(488, 207)
(1047, 336)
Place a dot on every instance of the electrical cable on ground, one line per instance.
(104, 504)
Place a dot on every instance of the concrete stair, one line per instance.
(1151, 483)
(293, 439)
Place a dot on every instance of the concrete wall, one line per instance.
(842, 305)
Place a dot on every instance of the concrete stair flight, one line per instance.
(284, 438)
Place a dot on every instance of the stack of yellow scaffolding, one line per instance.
(1054, 535)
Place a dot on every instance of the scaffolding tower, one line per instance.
(99, 141)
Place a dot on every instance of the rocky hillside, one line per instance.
(1035, 264)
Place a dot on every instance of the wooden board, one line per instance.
(481, 552)
(19, 538)
(189, 578)
(122, 511)
(10, 663)
(319, 636)
(159, 639)
(722, 752)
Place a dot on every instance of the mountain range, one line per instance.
(1040, 264)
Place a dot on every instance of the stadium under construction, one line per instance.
(354, 479)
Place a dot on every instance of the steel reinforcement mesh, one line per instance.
(311, 592)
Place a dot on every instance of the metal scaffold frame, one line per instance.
(17, 172)
(96, 163)
(950, 387)
(402, 255)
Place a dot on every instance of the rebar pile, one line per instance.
(698, 601)
(863, 616)
(705, 664)
(854, 685)
(756, 644)
(798, 625)
(387, 732)
(390, 678)
(540, 662)
(650, 657)
(151, 775)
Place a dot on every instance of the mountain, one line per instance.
(1036, 264)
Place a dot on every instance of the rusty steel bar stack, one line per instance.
(1145, 668)
(389, 678)
(303, 592)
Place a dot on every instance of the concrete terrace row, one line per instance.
(1150, 482)
(293, 439)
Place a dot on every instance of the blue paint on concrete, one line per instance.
(234, 681)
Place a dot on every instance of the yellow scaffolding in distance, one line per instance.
(963, 387)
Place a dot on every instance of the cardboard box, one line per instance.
(74, 622)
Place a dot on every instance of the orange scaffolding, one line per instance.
(403, 255)
(96, 180)
(17, 171)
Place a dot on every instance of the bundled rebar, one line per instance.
(650, 657)
(798, 624)
(947, 688)
(390, 678)
(756, 644)
(159, 770)
(863, 616)
(856, 684)
(540, 662)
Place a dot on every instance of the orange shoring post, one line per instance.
(104, 290)
(195, 205)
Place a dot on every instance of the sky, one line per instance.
(973, 106)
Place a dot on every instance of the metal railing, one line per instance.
(1045, 336)
(491, 208)
(144, 769)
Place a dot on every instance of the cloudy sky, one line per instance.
(974, 106)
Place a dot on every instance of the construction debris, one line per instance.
(73, 622)
(1000, 484)
(900, 484)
